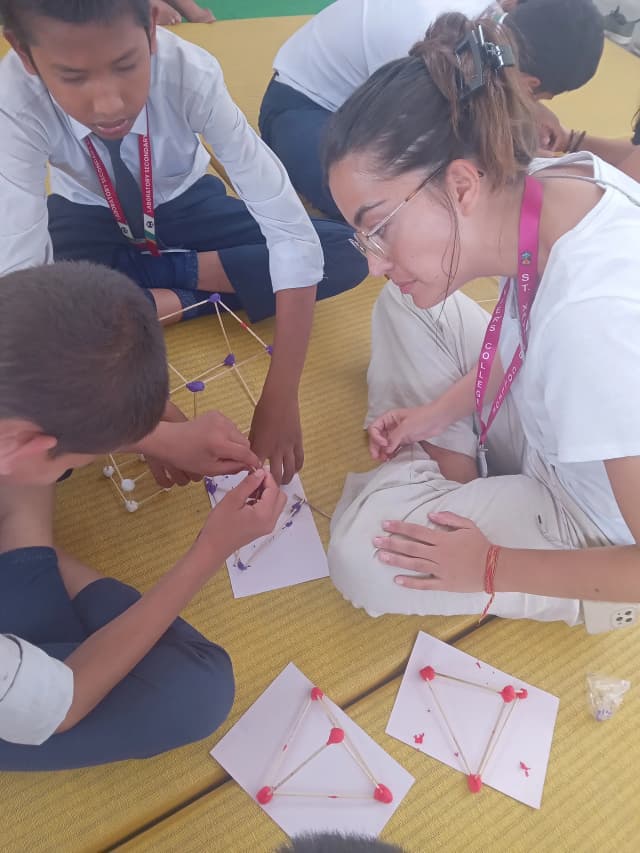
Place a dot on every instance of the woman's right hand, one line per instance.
(236, 521)
(399, 427)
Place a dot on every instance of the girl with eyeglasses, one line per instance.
(509, 445)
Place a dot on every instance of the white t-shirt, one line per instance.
(341, 47)
(578, 392)
(187, 97)
(36, 692)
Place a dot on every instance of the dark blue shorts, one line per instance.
(180, 692)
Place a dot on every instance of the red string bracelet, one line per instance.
(490, 577)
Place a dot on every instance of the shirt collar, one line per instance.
(81, 131)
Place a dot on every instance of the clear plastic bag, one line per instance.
(605, 694)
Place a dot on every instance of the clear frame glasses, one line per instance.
(369, 242)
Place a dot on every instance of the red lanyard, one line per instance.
(528, 280)
(149, 242)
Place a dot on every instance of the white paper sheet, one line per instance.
(518, 764)
(248, 753)
(295, 554)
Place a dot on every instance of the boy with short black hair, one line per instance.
(114, 106)
(326, 60)
(90, 671)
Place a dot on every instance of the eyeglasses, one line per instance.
(368, 243)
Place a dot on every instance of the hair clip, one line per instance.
(485, 55)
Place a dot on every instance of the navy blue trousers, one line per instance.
(293, 126)
(202, 219)
(179, 693)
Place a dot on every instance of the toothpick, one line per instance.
(242, 323)
(182, 311)
(355, 754)
(292, 513)
(277, 764)
(312, 507)
(300, 766)
(469, 683)
(224, 331)
(177, 372)
(245, 386)
(321, 796)
(451, 733)
(489, 752)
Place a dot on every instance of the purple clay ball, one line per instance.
(195, 386)
(269, 349)
(240, 565)
(215, 297)
(230, 360)
(210, 486)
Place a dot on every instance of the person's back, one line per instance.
(341, 46)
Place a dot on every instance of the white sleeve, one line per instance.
(24, 220)
(261, 181)
(36, 692)
(592, 379)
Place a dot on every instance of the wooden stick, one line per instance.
(277, 764)
(243, 324)
(308, 760)
(470, 683)
(349, 743)
(321, 796)
(115, 467)
(489, 752)
(224, 331)
(182, 311)
(177, 372)
(151, 497)
(446, 722)
(245, 386)
(312, 507)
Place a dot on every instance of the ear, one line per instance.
(23, 52)
(153, 30)
(21, 441)
(531, 83)
(463, 182)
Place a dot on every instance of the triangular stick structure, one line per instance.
(336, 737)
(508, 697)
(115, 470)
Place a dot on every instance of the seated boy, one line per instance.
(336, 51)
(115, 107)
(90, 671)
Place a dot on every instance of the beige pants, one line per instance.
(416, 355)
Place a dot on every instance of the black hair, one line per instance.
(82, 356)
(16, 15)
(408, 115)
(636, 130)
(336, 842)
(560, 41)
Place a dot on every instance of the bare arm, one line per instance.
(107, 656)
(598, 574)
(276, 431)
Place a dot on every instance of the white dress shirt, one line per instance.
(36, 692)
(341, 47)
(188, 96)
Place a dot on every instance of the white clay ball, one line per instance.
(108, 471)
(131, 506)
(127, 485)
(142, 457)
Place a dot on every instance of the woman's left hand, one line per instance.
(452, 560)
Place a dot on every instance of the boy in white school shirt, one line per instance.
(114, 106)
(90, 670)
(325, 61)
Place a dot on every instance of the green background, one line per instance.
(226, 9)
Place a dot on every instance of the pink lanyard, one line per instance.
(150, 242)
(528, 280)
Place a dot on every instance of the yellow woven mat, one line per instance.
(590, 801)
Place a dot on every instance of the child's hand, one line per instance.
(398, 427)
(236, 521)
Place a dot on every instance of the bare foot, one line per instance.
(192, 12)
(167, 15)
